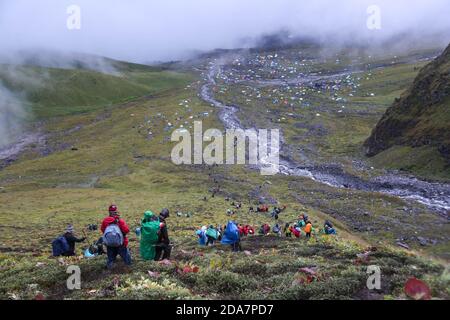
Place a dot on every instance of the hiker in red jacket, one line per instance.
(121, 246)
(242, 230)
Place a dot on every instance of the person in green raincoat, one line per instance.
(211, 235)
(149, 235)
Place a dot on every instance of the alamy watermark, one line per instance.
(260, 148)
(74, 19)
(74, 280)
(374, 279)
(374, 19)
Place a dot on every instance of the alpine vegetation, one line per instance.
(224, 150)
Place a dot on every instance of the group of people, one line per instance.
(233, 232)
(306, 225)
(229, 234)
(210, 235)
(154, 238)
(303, 223)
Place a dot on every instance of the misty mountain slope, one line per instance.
(79, 132)
(415, 131)
(50, 92)
(122, 155)
(74, 60)
(117, 160)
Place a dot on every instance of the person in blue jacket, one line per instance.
(231, 236)
(201, 234)
(328, 227)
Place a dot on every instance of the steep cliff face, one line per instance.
(421, 116)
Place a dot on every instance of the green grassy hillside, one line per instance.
(121, 155)
(54, 92)
(415, 131)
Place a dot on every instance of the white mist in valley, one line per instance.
(15, 82)
(12, 116)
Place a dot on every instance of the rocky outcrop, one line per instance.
(421, 116)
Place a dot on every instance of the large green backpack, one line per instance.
(149, 236)
(211, 232)
(301, 223)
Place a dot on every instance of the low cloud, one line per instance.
(146, 31)
(36, 32)
(12, 116)
(15, 82)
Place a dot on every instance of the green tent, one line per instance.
(149, 235)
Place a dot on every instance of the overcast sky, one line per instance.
(169, 29)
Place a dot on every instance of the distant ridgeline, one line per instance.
(420, 118)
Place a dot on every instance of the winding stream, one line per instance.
(435, 196)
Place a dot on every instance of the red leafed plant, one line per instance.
(39, 296)
(417, 290)
(188, 269)
(363, 258)
(307, 276)
(305, 279)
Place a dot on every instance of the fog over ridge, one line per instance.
(144, 31)
(36, 32)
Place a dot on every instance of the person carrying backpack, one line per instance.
(295, 232)
(305, 218)
(275, 213)
(115, 232)
(201, 234)
(96, 249)
(301, 221)
(264, 230)
(149, 231)
(248, 230)
(287, 230)
(328, 228)
(163, 247)
(242, 230)
(65, 244)
(231, 236)
(212, 235)
(220, 230)
(277, 230)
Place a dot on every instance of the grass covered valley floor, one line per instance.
(109, 142)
